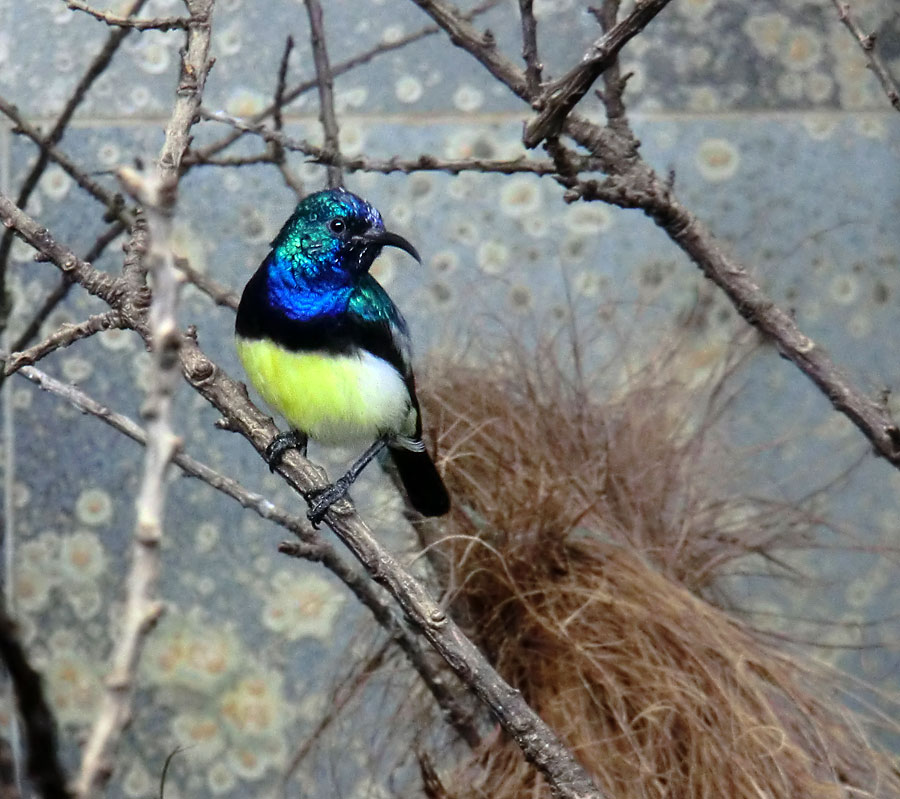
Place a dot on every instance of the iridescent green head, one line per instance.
(335, 235)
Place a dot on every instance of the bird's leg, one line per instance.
(324, 499)
(292, 439)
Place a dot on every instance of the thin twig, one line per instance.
(217, 292)
(112, 200)
(529, 47)
(44, 767)
(325, 81)
(63, 336)
(422, 163)
(867, 43)
(126, 23)
(276, 147)
(341, 698)
(613, 81)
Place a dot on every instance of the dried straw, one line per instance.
(583, 540)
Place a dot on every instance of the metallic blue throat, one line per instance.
(302, 296)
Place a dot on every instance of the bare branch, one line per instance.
(422, 163)
(100, 284)
(112, 200)
(529, 47)
(126, 23)
(633, 184)
(142, 608)
(656, 199)
(867, 43)
(613, 80)
(561, 96)
(464, 35)
(218, 293)
(325, 81)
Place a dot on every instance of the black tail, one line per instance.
(424, 487)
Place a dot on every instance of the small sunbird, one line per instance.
(327, 349)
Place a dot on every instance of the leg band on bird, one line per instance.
(324, 499)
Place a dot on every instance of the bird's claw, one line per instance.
(322, 500)
(292, 439)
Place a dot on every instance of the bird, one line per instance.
(328, 350)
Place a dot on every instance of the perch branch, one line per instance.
(311, 546)
(538, 742)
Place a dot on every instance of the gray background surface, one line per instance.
(781, 141)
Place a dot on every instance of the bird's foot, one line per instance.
(292, 439)
(321, 501)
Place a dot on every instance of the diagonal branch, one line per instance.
(105, 286)
(634, 184)
(325, 81)
(538, 742)
(113, 201)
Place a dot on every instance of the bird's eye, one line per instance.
(337, 225)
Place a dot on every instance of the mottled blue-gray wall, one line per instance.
(781, 141)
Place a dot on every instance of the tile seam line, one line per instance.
(500, 117)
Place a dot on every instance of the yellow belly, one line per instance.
(335, 399)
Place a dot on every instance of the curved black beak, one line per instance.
(385, 238)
